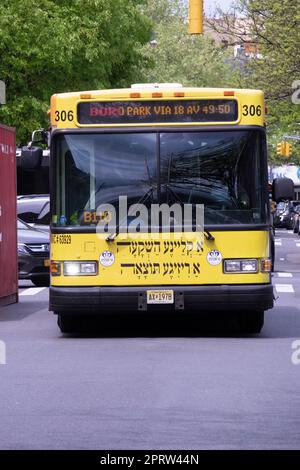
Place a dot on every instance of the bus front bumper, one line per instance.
(101, 300)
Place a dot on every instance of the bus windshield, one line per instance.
(223, 170)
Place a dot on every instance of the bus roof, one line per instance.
(166, 88)
(157, 103)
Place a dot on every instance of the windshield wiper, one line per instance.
(208, 236)
(172, 192)
(143, 199)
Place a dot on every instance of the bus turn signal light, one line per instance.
(266, 265)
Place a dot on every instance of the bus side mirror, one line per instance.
(31, 158)
(283, 189)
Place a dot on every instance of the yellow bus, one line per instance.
(120, 156)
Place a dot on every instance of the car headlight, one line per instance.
(80, 268)
(55, 268)
(22, 249)
(240, 266)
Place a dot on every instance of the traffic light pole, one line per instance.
(292, 137)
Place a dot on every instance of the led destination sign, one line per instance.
(163, 111)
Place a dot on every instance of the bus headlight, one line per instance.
(80, 268)
(240, 266)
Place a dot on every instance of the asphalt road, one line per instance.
(152, 383)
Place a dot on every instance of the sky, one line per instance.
(210, 4)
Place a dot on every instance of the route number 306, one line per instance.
(64, 116)
(251, 110)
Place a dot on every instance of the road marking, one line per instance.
(298, 244)
(32, 291)
(285, 275)
(284, 288)
(281, 259)
(277, 243)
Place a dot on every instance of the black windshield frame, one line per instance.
(158, 130)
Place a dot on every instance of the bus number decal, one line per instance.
(62, 239)
(64, 116)
(251, 110)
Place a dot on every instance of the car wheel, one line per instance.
(251, 322)
(41, 281)
(68, 323)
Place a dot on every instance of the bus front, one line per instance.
(160, 202)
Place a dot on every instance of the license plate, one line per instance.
(160, 296)
(47, 263)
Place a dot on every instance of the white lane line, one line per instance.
(284, 274)
(277, 243)
(32, 291)
(298, 244)
(281, 259)
(284, 288)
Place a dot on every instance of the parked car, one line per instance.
(296, 218)
(34, 210)
(284, 215)
(293, 212)
(33, 254)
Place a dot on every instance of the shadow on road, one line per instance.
(216, 324)
(282, 322)
(24, 308)
(151, 325)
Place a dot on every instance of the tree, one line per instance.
(180, 57)
(51, 46)
(274, 26)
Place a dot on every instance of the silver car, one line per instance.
(34, 209)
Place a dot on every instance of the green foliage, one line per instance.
(180, 57)
(275, 26)
(52, 46)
